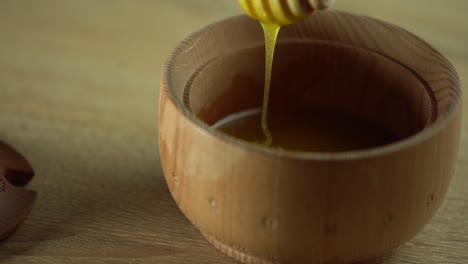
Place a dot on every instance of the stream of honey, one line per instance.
(306, 131)
(271, 34)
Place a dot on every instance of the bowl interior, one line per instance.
(380, 73)
(312, 76)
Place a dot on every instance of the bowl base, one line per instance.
(247, 258)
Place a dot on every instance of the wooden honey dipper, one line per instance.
(282, 12)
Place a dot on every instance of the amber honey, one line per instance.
(308, 131)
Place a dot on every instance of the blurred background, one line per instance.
(102, 59)
(79, 85)
(74, 54)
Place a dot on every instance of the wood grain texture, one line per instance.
(78, 97)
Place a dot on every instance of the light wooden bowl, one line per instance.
(264, 206)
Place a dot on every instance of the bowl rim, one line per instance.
(438, 124)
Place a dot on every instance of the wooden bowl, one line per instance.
(268, 206)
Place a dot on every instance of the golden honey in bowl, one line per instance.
(308, 131)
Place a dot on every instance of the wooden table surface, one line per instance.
(79, 87)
